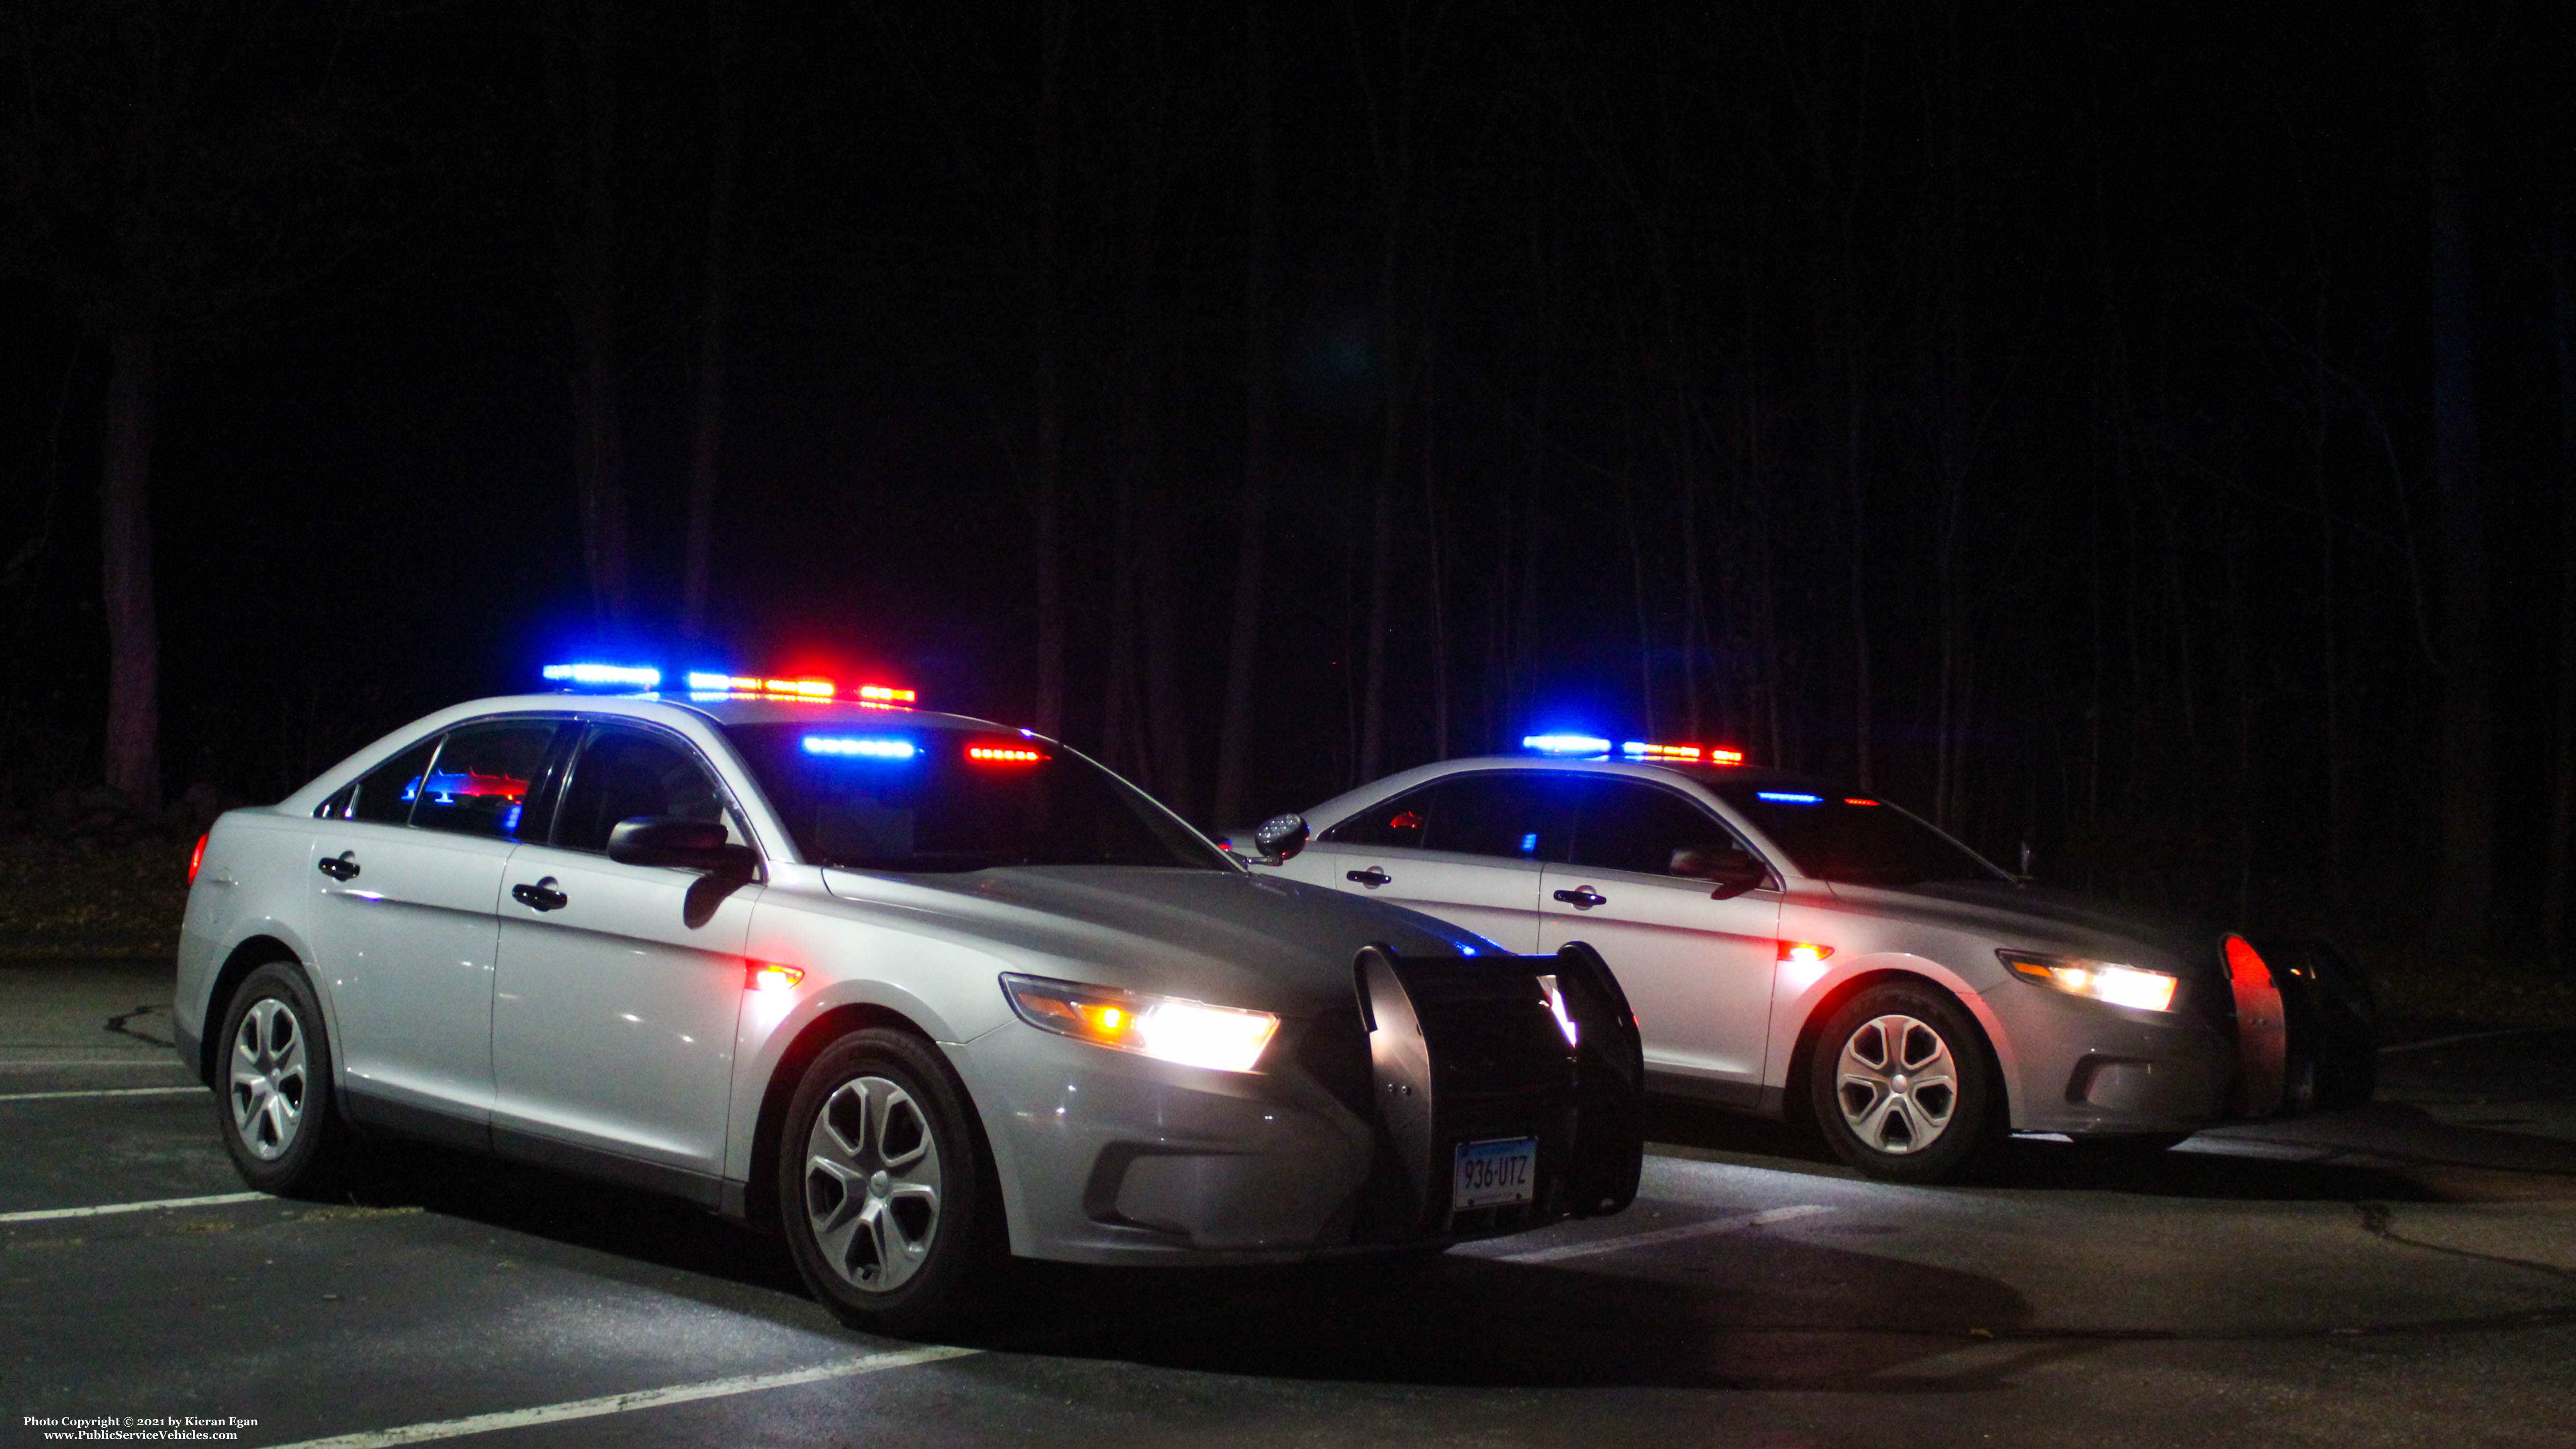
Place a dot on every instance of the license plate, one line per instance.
(1492, 1173)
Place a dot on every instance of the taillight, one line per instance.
(196, 857)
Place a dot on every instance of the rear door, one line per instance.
(1697, 970)
(407, 865)
(613, 1021)
(1468, 849)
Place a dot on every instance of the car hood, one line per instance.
(1219, 936)
(2042, 919)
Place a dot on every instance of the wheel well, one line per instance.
(760, 1194)
(1794, 1097)
(246, 958)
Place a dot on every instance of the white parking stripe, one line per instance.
(42, 1215)
(103, 1092)
(627, 1403)
(1684, 1233)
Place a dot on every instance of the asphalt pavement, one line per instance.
(2401, 1275)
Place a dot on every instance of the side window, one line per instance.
(384, 794)
(480, 782)
(1397, 822)
(1518, 816)
(1625, 825)
(624, 773)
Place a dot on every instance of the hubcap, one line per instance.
(1897, 1084)
(268, 1078)
(872, 1184)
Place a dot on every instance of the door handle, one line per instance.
(1583, 898)
(540, 897)
(1371, 877)
(339, 867)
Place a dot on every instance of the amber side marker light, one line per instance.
(1804, 953)
(770, 976)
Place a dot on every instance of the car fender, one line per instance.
(1797, 1006)
(772, 1022)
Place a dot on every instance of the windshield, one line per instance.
(1852, 839)
(922, 798)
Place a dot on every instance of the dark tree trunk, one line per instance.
(2467, 789)
(706, 430)
(133, 760)
(2562, 721)
(1261, 419)
(1047, 711)
(598, 470)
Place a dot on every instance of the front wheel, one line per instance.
(883, 1189)
(1902, 1087)
(276, 1114)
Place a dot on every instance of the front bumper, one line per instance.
(1114, 1158)
(2086, 1069)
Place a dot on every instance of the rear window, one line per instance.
(909, 798)
(1854, 839)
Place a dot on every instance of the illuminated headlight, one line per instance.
(2102, 980)
(1192, 1033)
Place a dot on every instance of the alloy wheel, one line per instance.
(269, 1079)
(872, 1184)
(1897, 1084)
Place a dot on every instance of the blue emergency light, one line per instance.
(1565, 745)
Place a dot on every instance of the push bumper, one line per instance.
(1344, 1142)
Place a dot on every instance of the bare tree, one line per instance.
(583, 89)
(706, 429)
(2467, 811)
(1260, 421)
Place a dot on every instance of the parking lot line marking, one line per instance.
(627, 1403)
(101, 1092)
(1684, 1233)
(44, 1215)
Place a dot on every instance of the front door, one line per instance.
(1697, 970)
(1468, 849)
(408, 864)
(619, 985)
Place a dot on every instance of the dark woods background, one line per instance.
(2141, 432)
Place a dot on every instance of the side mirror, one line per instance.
(1732, 872)
(686, 844)
(1280, 837)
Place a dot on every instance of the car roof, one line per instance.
(1705, 775)
(715, 711)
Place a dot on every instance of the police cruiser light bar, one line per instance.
(1593, 747)
(709, 684)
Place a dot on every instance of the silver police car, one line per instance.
(916, 990)
(1792, 947)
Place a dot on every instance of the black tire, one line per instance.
(1922, 1131)
(849, 1199)
(277, 1112)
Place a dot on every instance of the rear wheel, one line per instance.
(1901, 1085)
(276, 1114)
(883, 1189)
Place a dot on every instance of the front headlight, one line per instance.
(1166, 1028)
(2102, 980)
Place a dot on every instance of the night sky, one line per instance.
(2068, 373)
